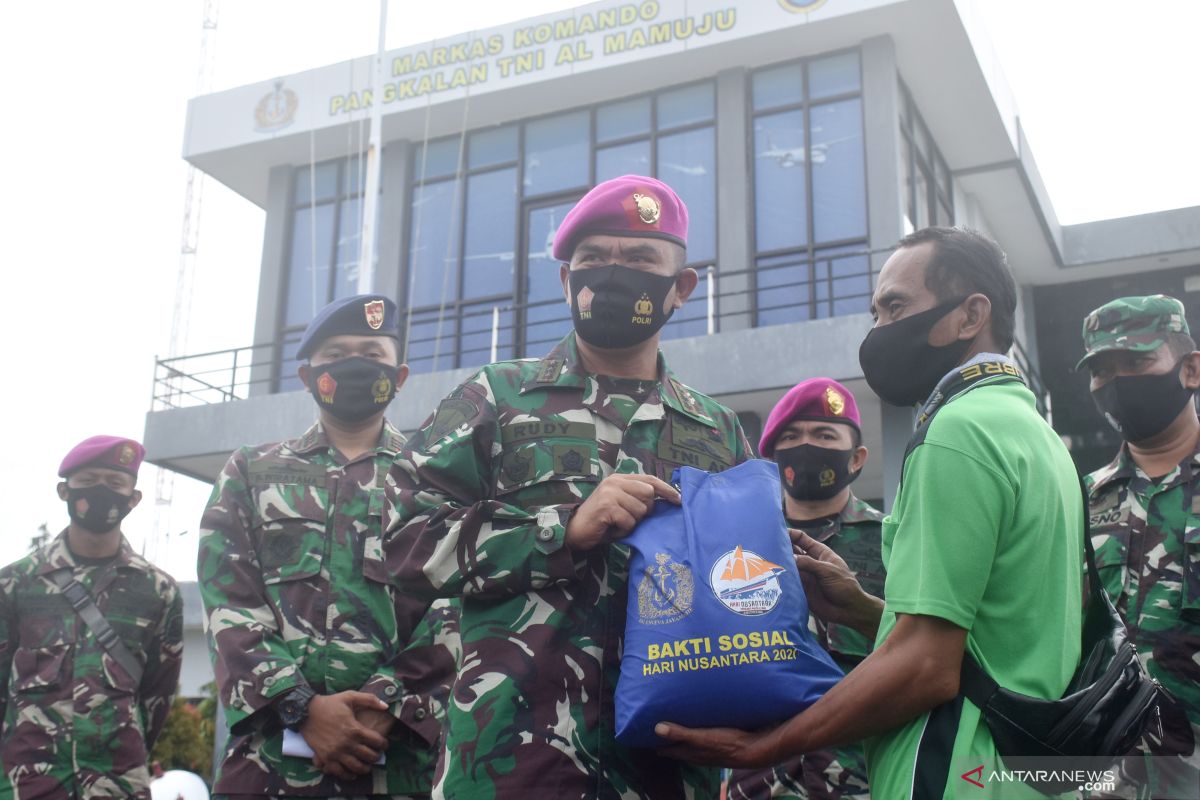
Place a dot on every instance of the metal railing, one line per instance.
(215, 377)
(781, 288)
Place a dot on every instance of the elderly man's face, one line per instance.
(900, 292)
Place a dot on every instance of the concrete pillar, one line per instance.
(271, 279)
(735, 239)
(885, 209)
(393, 218)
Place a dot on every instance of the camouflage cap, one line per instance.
(1140, 324)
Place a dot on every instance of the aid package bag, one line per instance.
(716, 632)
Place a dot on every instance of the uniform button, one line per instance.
(389, 691)
(546, 534)
(420, 714)
(269, 680)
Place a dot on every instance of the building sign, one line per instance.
(572, 42)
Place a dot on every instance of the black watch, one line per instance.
(292, 708)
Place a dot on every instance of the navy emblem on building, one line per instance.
(276, 110)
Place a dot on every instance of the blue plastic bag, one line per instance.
(716, 632)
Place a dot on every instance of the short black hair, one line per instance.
(966, 262)
(1179, 344)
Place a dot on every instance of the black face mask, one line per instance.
(814, 473)
(615, 306)
(1142, 406)
(97, 509)
(900, 364)
(352, 389)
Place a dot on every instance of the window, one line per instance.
(322, 264)
(810, 200)
(480, 273)
(928, 185)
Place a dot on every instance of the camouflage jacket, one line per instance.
(483, 496)
(76, 725)
(1147, 539)
(838, 773)
(291, 574)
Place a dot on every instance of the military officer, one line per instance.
(814, 433)
(91, 640)
(333, 682)
(1145, 516)
(516, 493)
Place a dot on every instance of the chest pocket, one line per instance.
(546, 463)
(1191, 563)
(40, 669)
(688, 443)
(289, 533)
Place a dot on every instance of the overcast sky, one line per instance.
(94, 103)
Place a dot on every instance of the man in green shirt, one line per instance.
(1145, 517)
(983, 548)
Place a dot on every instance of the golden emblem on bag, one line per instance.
(665, 592)
(648, 208)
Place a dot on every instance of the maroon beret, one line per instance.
(113, 452)
(631, 205)
(815, 399)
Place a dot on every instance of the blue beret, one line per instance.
(360, 315)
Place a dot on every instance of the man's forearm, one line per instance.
(901, 680)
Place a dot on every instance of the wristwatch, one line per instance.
(292, 708)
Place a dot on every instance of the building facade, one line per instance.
(805, 137)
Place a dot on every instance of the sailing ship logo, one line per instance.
(746, 583)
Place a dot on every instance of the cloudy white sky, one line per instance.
(94, 98)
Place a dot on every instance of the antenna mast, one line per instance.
(193, 196)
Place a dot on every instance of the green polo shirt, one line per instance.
(986, 533)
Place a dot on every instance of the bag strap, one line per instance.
(81, 600)
(974, 682)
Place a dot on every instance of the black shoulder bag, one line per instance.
(1110, 701)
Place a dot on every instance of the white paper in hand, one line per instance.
(294, 745)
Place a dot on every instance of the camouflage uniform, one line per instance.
(484, 496)
(292, 578)
(838, 773)
(76, 725)
(1147, 538)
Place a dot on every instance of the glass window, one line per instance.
(431, 341)
(477, 324)
(308, 272)
(289, 381)
(491, 233)
(547, 317)
(685, 106)
(623, 159)
(849, 271)
(784, 289)
(433, 259)
(354, 175)
(686, 162)
(692, 319)
(778, 86)
(323, 180)
(439, 158)
(495, 146)
(838, 175)
(349, 248)
(833, 75)
(556, 153)
(622, 120)
(780, 199)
